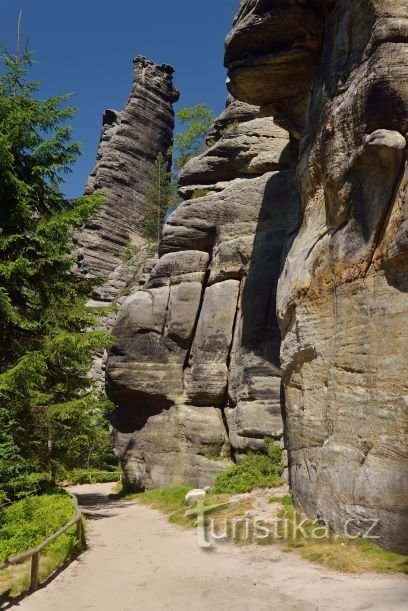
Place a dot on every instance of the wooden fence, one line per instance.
(34, 553)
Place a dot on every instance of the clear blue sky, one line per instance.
(85, 47)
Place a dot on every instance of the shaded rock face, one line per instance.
(343, 291)
(195, 371)
(130, 142)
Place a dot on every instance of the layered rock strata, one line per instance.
(336, 77)
(111, 246)
(195, 371)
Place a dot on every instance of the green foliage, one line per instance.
(27, 523)
(256, 471)
(84, 476)
(197, 121)
(285, 500)
(200, 193)
(48, 407)
(159, 197)
(161, 194)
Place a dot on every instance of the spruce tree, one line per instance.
(46, 329)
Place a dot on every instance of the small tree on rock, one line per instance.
(190, 142)
(159, 197)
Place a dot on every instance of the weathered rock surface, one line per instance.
(343, 292)
(195, 371)
(130, 142)
(112, 246)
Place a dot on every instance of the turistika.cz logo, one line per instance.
(245, 529)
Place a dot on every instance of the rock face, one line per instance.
(130, 142)
(336, 77)
(112, 246)
(195, 371)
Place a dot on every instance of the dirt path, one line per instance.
(137, 561)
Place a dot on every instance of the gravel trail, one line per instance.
(138, 561)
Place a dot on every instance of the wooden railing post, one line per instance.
(34, 553)
(81, 533)
(35, 568)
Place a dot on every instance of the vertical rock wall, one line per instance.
(308, 231)
(195, 371)
(336, 77)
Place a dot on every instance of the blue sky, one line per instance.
(85, 47)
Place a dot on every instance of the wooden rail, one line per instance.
(34, 553)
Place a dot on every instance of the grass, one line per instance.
(25, 525)
(256, 471)
(354, 556)
(333, 551)
(167, 500)
(286, 499)
(170, 501)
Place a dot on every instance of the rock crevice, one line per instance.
(342, 292)
(279, 304)
(219, 350)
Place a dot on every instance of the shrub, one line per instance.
(24, 485)
(27, 523)
(77, 477)
(257, 471)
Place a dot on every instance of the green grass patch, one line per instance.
(167, 500)
(170, 501)
(25, 525)
(334, 551)
(353, 556)
(285, 500)
(256, 471)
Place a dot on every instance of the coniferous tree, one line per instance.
(160, 196)
(46, 336)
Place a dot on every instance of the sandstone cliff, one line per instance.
(336, 77)
(130, 142)
(299, 221)
(195, 372)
